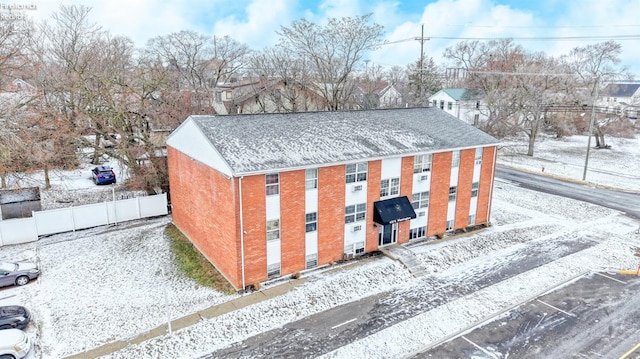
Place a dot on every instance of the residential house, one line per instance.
(372, 95)
(267, 195)
(622, 98)
(463, 103)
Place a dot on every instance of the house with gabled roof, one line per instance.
(622, 98)
(267, 195)
(463, 103)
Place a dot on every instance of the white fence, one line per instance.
(22, 230)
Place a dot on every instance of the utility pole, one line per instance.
(591, 124)
(422, 40)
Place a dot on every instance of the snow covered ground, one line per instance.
(112, 283)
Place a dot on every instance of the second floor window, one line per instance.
(355, 213)
(474, 189)
(450, 106)
(273, 230)
(272, 184)
(453, 191)
(389, 187)
(311, 221)
(356, 172)
(420, 200)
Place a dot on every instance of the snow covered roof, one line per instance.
(258, 143)
(463, 94)
(621, 90)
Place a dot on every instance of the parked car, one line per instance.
(19, 273)
(14, 317)
(103, 175)
(14, 343)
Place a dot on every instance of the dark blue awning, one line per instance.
(393, 210)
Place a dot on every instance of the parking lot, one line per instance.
(595, 316)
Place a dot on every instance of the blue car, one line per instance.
(103, 175)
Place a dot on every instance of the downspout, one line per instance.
(241, 233)
(493, 173)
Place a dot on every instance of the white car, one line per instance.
(14, 344)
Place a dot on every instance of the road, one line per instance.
(626, 202)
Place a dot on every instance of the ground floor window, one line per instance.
(311, 260)
(273, 270)
(449, 225)
(472, 219)
(420, 232)
(353, 249)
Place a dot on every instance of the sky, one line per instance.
(256, 22)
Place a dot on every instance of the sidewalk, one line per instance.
(191, 319)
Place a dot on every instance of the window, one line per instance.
(357, 172)
(472, 219)
(312, 260)
(450, 106)
(273, 270)
(273, 230)
(355, 213)
(420, 232)
(449, 225)
(218, 96)
(476, 119)
(474, 189)
(272, 184)
(479, 155)
(389, 187)
(422, 163)
(477, 105)
(455, 161)
(442, 104)
(311, 222)
(311, 178)
(435, 103)
(360, 248)
(420, 200)
(452, 193)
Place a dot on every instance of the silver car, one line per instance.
(14, 343)
(19, 273)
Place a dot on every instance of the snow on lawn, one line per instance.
(616, 167)
(112, 283)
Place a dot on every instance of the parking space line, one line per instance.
(556, 308)
(479, 347)
(345, 323)
(606, 276)
(627, 354)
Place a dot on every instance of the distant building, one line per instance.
(463, 103)
(268, 195)
(621, 98)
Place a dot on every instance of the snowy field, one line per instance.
(113, 283)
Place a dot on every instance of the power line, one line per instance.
(535, 38)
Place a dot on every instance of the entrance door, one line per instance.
(388, 234)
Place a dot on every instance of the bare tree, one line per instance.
(334, 51)
(594, 66)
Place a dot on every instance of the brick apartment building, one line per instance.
(266, 195)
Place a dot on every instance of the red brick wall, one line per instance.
(485, 186)
(406, 184)
(204, 209)
(465, 180)
(292, 221)
(255, 229)
(331, 196)
(373, 194)
(439, 193)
